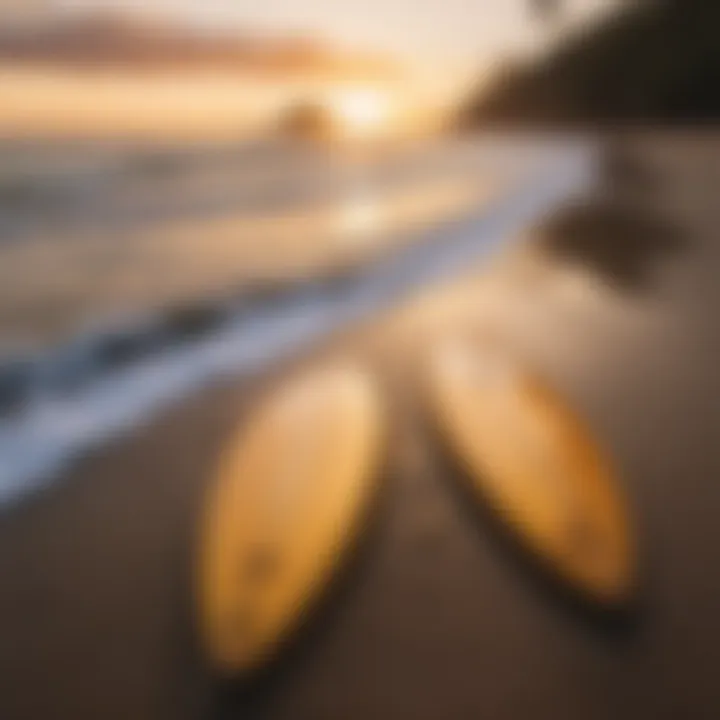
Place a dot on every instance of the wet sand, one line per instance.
(436, 617)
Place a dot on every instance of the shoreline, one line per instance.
(141, 377)
(96, 611)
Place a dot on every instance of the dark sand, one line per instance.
(435, 619)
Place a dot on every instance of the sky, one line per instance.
(445, 32)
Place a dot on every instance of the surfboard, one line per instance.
(291, 496)
(529, 457)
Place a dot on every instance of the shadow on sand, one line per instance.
(619, 234)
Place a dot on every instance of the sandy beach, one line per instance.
(614, 302)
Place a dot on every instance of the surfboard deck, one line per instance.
(529, 457)
(290, 498)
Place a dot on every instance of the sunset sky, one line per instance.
(455, 32)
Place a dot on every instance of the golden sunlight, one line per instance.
(361, 112)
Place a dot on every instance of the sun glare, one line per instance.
(361, 111)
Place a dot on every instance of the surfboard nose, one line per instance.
(599, 556)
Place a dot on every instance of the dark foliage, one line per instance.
(658, 61)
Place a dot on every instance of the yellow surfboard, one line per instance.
(290, 498)
(535, 463)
